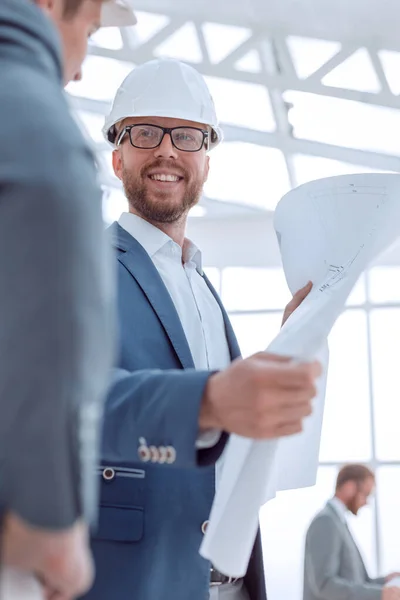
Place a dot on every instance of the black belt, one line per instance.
(217, 578)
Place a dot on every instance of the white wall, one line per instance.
(247, 242)
(361, 413)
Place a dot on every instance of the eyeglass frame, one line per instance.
(128, 128)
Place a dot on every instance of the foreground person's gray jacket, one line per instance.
(55, 284)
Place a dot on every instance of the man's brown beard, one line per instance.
(352, 506)
(159, 211)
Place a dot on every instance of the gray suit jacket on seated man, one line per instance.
(333, 566)
(168, 411)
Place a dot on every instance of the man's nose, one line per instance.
(166, 149)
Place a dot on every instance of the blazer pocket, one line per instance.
(120, 524)
(121, 514)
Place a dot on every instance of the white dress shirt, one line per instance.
(340, 508)
(201, 318)
(198, 310)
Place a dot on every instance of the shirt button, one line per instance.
(204, 526)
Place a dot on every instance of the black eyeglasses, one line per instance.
(147, 137)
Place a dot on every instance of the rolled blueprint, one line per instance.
(329, 231)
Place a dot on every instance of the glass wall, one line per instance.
(290, 115)
(362, 415)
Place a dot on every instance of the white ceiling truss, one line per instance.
(293, 71)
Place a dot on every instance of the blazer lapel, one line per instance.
(141, 267)
(350, 537)
(355, 546)
(230, 334)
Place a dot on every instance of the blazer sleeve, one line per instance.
(377, 580)
(56, 311)
(161, 407)
(322, 560)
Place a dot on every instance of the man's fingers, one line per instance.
(299, 375)
(286, 416)
(297, 299)
(286, 374)
(268, 357)
(316, 369)
(299, 296)
(289, 429)
(60, 560)
(303, 292)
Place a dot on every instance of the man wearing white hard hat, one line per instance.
(175, 396)
(55, 301)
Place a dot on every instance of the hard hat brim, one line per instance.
(116, 13)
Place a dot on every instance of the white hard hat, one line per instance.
(118, 13)
(164, 88)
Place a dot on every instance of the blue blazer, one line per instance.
(146, 546)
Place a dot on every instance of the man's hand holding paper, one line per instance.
(281, 397)
(391, 593)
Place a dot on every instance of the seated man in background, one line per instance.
(175, 395)
(334, 568)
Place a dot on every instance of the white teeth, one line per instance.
(162, 177)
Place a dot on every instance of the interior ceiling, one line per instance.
(376, 21)
(304, 89)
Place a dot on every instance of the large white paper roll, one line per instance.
(328, 231)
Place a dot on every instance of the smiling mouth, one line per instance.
(165, 178)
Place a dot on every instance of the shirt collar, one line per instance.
(151, 238)
(154, 240)
(192, 253)
(339, 508)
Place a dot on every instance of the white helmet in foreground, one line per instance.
(164, 88)
(118, 13)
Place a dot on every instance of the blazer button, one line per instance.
(163, 455)
(171, 455)
(204, 526)
(155, 455)
(144, 451)
(108, 474)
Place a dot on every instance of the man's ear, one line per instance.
(51, 7)
(117, 163)
(207, 168)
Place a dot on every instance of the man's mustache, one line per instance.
(180, 171)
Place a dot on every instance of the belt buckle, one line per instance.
(214, 583)
(231, 580)
(228, 579)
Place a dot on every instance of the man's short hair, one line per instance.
(356, 473)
